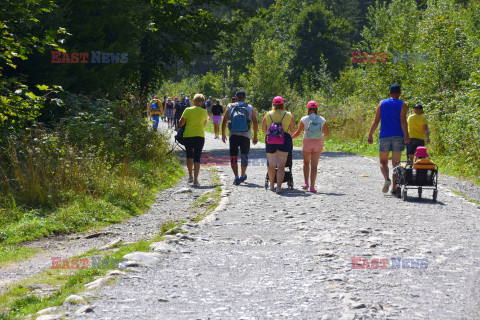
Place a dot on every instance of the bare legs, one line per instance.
(396, 156)
(276, 160)
(195, 167)
(310, 166)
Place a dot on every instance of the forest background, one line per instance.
(75, 149)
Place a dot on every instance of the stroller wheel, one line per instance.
(419, 192)
(435, 192)
(290, 184)
(404, 194)
(399, 191)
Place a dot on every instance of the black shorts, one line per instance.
(287, 145)
(239, 142)
(194, 147)
(414, 143)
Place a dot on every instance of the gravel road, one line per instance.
(289, 256)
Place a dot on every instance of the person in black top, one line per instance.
(217, 112)
(180, 106)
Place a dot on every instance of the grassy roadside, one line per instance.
(126, 199)
(448, 165)
(20, 300)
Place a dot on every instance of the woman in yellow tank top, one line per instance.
(277, 153)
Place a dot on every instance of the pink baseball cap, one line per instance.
(312, 105)
(277, 100)
(421, 152)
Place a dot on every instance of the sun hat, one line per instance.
(169, 99)
(312, 105)
(421, 152)
(277, 100)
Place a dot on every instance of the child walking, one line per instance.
(315, 131)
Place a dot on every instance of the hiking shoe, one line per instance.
(236, 181)
(242, 179)
(386, 186)
(279, 190)
(190, 179)
(305, 186)
(196, 184)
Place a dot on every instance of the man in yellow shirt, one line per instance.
(417, 130)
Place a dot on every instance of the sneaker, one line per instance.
(196, 184)
(312, 189)
(386, 186)
(305, 186)
(190, 179)
(394, 191)
(236, 181)
(279, 190)
(242, 179)
(272, 189)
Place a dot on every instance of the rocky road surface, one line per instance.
(289, 256)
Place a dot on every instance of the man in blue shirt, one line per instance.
(392, 114)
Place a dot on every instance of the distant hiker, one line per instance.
(177, 112)
(169, 112)
(194, 118)
(277, 126)
(316, 131)
(217, 112)
(208, 105)
(392, 113)
(239, 116)
(225, 102)
(417, 130)
(155, 109)
(164, 104)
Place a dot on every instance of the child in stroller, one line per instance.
(423, 174)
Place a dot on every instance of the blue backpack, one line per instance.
(239, 118)
(314, 130)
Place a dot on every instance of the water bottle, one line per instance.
(429, 176)
(414, 175)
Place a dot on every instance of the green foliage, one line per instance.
(267, 77)
(100, 165)
(20, 100)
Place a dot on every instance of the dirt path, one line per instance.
(290, 256)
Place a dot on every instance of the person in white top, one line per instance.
(315, 131)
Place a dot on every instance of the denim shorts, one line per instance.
(391, 144)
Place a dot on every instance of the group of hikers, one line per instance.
(279, 128)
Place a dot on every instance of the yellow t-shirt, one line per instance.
(277, 116)
(195, 118)
(415, 126)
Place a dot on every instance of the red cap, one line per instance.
(175, 98)
(277, 100)
(312, 105)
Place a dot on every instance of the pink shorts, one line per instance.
(312, 145)
(217, 119)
